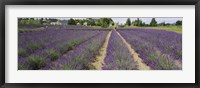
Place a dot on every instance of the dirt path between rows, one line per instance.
(141, 65)
(99, 59)
(178, 63)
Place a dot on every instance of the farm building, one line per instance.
(60, 22)
(56, 23)
(85, 24)
(78, 24)
(64, 22)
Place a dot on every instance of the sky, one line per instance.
(147, 20)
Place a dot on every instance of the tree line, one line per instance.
(139, 22)
(103, 22)
(25, 21)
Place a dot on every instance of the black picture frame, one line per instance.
(99, 2)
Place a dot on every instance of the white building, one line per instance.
(64, 22)
(78, 24)
(85, 24)
(60, 22)
(56, 23)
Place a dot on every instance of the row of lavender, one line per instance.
(118, 56)
(81, 57)
(31, 41)
(159, 49)
(70, 49)
(39, 48)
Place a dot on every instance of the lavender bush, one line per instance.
(118, 56)
(157, 48)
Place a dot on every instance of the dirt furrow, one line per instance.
(178, 63)
(99, 59)
(141, 65)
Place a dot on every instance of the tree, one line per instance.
(153, 22)
(104, 22)
(138, 22)
(53, 20)
(143, 24)
(23, 21)
(41, 21)
(179, 22)
(90, 21)
(71, 21)
(128, 22)
(162, 24)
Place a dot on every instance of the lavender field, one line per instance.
(116, 43)
(99, 49)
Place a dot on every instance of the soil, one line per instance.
(140, 64)
(99, 59)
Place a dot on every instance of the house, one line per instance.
(78, 24)
(56, 23)
(44, 23)
(85, 24)
(64, 22)
(60, 22)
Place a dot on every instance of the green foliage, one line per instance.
(71, 21)
(153, 22)
(128, 22)
(53, 20)
(138, 22)
(34, 46)
(21, 66)
(79, 59)
(162, 62)
(22, 30)
(165, 63)
(91, 22)
(53, 54)
(173, 28)
(179, 22)
(162, 24)
(41, 21)
(104, 22)
(36, 62)
(69, 46)
(67, 67)
(21, 51)
(28, 21)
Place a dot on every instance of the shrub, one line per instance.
(36, 62)
(21, 51)
(21, 67)
(71, 45)
(34, 46)
(162, 62)
(67, 67)
(53, 54)
(22, 30)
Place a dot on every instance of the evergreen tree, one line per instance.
(138, 22)
(128, 22)
(153, 22)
